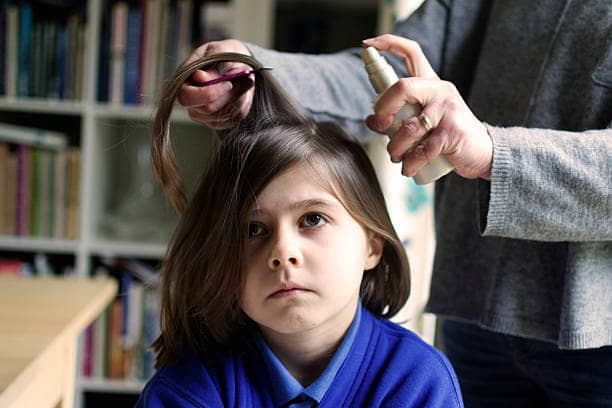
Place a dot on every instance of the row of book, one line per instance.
(39, 183)
(142, 43)
(38, 265)
(117, 345)
(42, 49)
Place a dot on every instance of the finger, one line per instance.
(211, 96)
(196, 54)
(379, 123)
(223, 115)
(412, 132)
(424, 151)
(414, 58)
(413, 91)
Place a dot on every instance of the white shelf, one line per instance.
(106, 385)
(48, 106)
(146, 113)
(38, 244)
(127, 249)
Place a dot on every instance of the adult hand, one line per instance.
(219, 105)
(455, 132)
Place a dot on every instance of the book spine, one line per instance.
(34, 194)
(4, 181)
(117, 52)
(3, 16)
(72, 193)
(23, 153)
(59, 200)
(12, 47)
(10, 215)
(132, 56)
(25, 39)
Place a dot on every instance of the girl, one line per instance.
(283, 271)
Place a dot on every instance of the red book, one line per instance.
(10, 266)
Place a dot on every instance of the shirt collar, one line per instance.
(286, 388)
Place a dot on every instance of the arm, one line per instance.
(548, 185)
(332, 87)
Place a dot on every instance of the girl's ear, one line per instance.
(375, 250)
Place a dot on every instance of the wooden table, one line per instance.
(40, 322)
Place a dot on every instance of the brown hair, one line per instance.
(201, 275)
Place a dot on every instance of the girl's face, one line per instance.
(305, 257)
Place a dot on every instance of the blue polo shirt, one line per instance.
(287, 391)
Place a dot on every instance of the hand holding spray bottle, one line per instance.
(382, 76)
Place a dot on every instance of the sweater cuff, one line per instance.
(494, 196)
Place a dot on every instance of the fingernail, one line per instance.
(367, 40)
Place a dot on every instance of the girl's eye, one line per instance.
(256, 230)
(314, 220)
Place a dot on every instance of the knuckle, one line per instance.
(421, 152)
(182, 98)
(413, 46)
(450, 87)
(410, 127)
(404, 85)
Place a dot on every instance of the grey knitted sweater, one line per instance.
(530, 253)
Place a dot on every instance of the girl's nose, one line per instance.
(285, 253)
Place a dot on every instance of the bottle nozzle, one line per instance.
(380, 73)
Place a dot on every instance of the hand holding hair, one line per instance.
(446, 125)
(219, 105)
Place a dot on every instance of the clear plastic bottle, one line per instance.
(382, 76)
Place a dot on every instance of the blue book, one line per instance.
(25, 42)
(125, 285)
(61, 44)
(104, 53)
(132, 56)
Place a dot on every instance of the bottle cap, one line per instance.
(380, 73)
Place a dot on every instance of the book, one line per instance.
(152, 48)
(24, 49)
(132, 56)
(45, 182)
(132, 340)
(5, 198)
(150, 330)
(183, 45)
(72, 44)
(61, 44)
(87, 350)
(119, 15)
(99, 346)
(10, 202)
(23, 189)
(12, 46)
(59, 195)
(3, 7)
(34, 193)
(80, 60)
(73, 165)
(114, 340)
(10, 267)
(104, 61)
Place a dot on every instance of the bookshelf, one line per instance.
(121, 213)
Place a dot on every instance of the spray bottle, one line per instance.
(382, 76)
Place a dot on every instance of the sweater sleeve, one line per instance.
(548, 185)
(332, 87)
